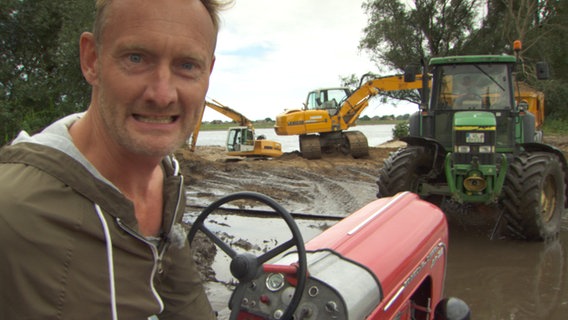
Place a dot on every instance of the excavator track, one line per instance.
(310, 146)
(357, 144)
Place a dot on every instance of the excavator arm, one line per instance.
(222, 109)
(241, 140)
(195, 133)
(230, 113)
(352, 108)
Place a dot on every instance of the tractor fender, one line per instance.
(426, 142)
(541, 147)
(432, 145)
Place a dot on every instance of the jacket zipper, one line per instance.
(157, 255)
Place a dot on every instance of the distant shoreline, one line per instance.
(208, 126)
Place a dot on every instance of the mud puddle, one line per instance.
(507, 279)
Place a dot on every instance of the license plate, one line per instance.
(475, 137)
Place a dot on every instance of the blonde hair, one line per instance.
(212, 6)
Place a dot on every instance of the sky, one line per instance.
(270, 54)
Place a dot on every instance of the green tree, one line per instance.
(40, 76)
(403, 32)
(400, 130)
(540, 25)
(399, 33)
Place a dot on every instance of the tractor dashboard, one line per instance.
(337, 288)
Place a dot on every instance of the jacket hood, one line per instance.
(52, 151)
(57, 136)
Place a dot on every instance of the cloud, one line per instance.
(270, 54)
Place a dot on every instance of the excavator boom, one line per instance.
(359, 100)
(241, 140)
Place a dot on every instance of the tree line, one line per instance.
(40, 76)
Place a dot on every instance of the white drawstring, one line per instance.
(110, 262)
(175, 164)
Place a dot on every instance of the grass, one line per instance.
(555, 126)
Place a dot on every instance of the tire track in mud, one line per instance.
(298, 190)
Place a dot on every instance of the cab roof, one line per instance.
(473, 59)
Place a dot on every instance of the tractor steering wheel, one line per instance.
(245, 266)
(470, 96)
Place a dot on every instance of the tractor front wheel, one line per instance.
(404, 170)
(534, 196)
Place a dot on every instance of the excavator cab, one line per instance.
(240, 139)
(327, 99)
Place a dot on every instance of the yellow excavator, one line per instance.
(532, 101)
(241, 140)
(328, 112)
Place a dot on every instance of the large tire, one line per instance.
(404, 170)
(533, 196)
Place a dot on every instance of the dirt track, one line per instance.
(334, 185)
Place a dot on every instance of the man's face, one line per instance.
(153, 67)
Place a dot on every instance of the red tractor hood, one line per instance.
(401, 240)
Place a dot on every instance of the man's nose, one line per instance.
(161, 89)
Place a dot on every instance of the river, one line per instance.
(376, 134)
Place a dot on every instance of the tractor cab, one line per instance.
(480, 86)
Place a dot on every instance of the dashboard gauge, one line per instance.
(275, 281)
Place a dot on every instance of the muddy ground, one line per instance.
(333, 187)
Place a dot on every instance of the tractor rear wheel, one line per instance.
(404, 170)
(533, 199)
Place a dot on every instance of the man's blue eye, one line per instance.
(136, 58)
(188, 65)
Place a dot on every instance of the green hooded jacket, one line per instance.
(70, 246)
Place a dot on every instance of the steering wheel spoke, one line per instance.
(276, 251)
(220, 243)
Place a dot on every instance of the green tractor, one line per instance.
(473, 142)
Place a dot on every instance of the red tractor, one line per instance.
(385, 261)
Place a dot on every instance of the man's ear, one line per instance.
(89, 57)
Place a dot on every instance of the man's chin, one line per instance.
(157, 149)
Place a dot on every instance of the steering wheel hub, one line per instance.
(244, 267)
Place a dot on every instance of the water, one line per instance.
(506, 279)
(376, 134)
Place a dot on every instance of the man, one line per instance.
(91, 208)
(470, 96)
